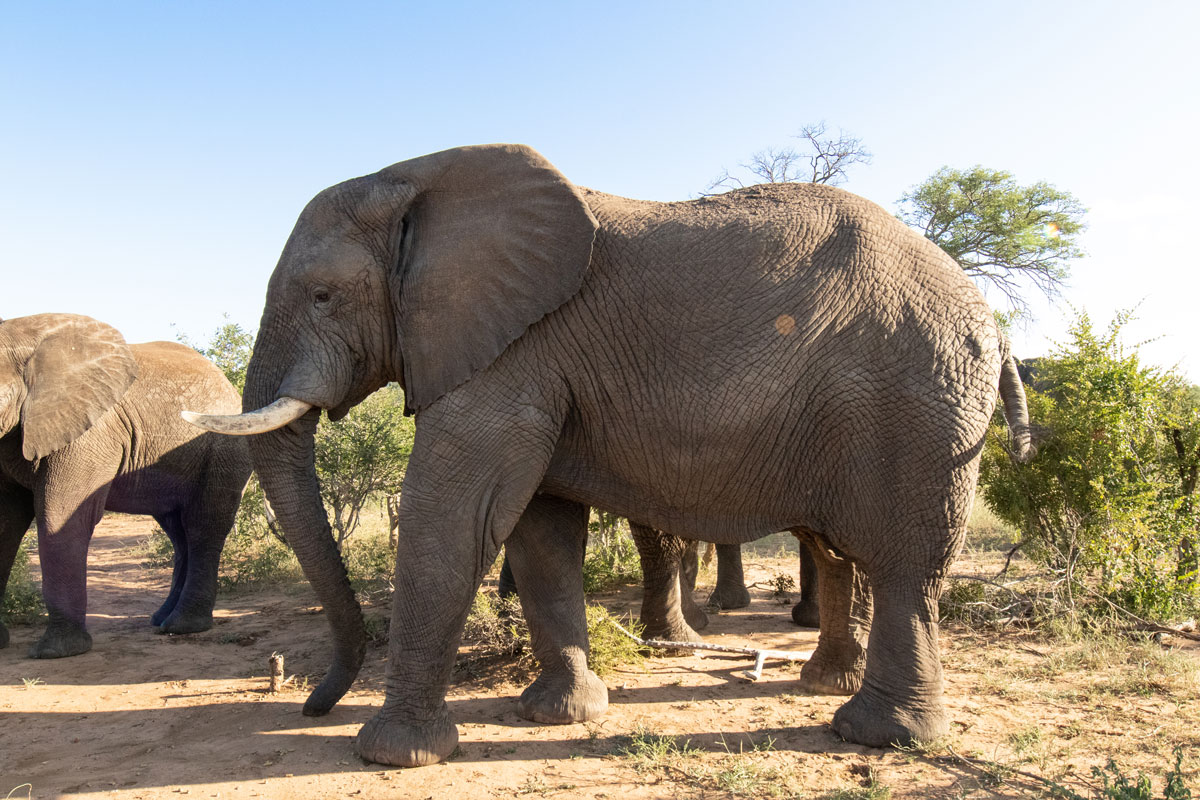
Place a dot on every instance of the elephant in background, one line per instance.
(552, 342)
(89, 423)
(730, 590)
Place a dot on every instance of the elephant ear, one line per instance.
(79, 369)
(494, 238)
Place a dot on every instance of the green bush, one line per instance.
(612, 557)
(1104, 502)
(371, 564)
(22, 601)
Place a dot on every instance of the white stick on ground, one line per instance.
(760, 655)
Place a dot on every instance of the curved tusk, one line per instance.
(268, 418)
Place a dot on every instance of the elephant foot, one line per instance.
(61, 640)
(695, 617)
(729, 597)
(673, 632)
(563, 698)
(806, 614)
(822, 675)
(875, 721)
(183, 622)
(386, 740)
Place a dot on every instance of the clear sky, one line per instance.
(154, 156)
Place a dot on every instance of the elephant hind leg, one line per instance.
(901, 696)
(173, 527)
(204, 524)
(807, 612)
(838, 665)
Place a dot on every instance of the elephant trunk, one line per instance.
(284, 460)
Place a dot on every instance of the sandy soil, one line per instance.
(145, 716)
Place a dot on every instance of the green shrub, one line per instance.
(371, 564)
(251, 560)
(609, 647)
(612, 557)
(1107, 500)
(22, 601)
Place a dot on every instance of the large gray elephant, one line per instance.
(554, 343)
(88, 424)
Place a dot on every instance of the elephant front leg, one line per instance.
(662, 599)
(840, 659)
(64, 533)
(469, 481)
(545, 552)
(16, 512)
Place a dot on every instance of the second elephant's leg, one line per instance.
(838, 665)
(806, 612)
(65, 523)
(16, 512)
(689, 570)
(205, 524)
(730, 591)
(173, 528)
(662, 603)
(545, 551)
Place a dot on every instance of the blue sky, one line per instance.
(154, 156)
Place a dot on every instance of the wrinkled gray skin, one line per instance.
(89, 424)
(552, 342)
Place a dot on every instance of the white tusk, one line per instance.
(268, 418)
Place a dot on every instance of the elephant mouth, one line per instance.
(268, 418)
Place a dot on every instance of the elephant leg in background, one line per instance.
(545, 551)
(730, 591)
(662, 556)
(202, 528)
(70, 498)
(688, 572)
(173, 527)
(16, 512)
(838, 665)
(806, 613)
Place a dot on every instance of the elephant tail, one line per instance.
(1016, 412)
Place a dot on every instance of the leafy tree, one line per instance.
(998, 231)
(362, 455)
(1103, 498)
(823, 160)
(229, 348)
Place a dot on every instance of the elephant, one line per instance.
(552, 342)
(89, 423)
(669, 566)
(730, 591)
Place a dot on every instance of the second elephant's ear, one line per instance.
(494, 239)
(79, 369)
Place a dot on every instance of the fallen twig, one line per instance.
(760, 655)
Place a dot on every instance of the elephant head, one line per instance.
(422, 273)
(59, 374)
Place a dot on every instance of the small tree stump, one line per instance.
(275, 663)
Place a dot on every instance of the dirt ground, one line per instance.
(146, 716)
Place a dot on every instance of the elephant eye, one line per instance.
(321, 295)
